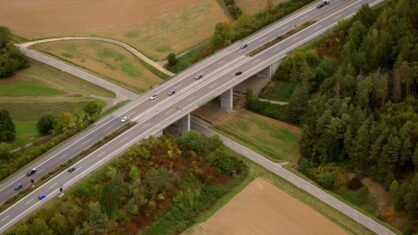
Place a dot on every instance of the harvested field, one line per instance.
(261, 208)
(109, 61)
(255, 6)
(156, 27)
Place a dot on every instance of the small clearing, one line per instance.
(261, 208)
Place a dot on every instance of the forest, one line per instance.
(356, 100)
(10, 57)
(158, 186)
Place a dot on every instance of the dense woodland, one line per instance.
(10, 57)
(356, 100)
(158, 187)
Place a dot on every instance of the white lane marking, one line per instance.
(221, 61)
(255, 61)
(39, 171)
(212, 86)
(122, 140)
(52, 186)
(190, 98)
(63, 156)
(337, 16)
(14, 182)
(264, 38)
(107, 128)
(317, 27)
(26, 203)
(277, 49)
(100, 154)
(169, 111)
(304, 17)
(177, 86)
(296, 38)
(4, 218)
(146, 125)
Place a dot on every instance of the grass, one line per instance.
(27, 88)
(276, 140)
(359, 197)
(255, 6)
(109, 61)
(278, 90)
(39, 90)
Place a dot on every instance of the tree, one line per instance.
(411, 198)
(394, 187)
(7, 127)
(58, 223)
(46, 124)
(4, 150)
(5, 36)
(172, 60)
(92, 109)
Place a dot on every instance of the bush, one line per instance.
(224, 161)
(11, 59)
(172, 60)
(46, 124)
(326, 179)
(7, 127)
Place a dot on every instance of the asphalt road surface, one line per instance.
(219, 75)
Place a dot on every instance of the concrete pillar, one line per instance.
(184, 124)
(227, 101)
(269, 71)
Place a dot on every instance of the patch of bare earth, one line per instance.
(261, 208)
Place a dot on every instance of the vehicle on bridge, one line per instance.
(31, 172)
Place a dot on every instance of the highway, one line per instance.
(219, 75)
(216, 64)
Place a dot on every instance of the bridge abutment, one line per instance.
(184, 124)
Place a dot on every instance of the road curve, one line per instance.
(132, 50)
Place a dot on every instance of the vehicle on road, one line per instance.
(171, 93)
(71, 169)
(124, 119)
(243, 46)
(198, 76)
(31, 172)
(238, 73)
(323, 3)
(42, 196)
(153, 97)
(18, 186)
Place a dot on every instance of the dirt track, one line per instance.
(261, 208)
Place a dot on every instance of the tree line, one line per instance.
(11, 59)
(356, 100)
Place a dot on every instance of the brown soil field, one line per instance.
(261, 208)
(156, 27)
(255, 6)
(109, 61)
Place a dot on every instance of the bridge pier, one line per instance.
(184, 124)
(269, 71)
(227, 101)
(159, 134)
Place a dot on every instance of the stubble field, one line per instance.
(156, 27)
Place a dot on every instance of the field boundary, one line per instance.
(129, 48)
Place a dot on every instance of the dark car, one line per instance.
(31, 172)
(243, 46)
(320, 5)
(238, 73)
(18, 186)
(71, 169)
(171, 92)
(198, 76)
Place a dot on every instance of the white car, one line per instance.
(153, 97)
(199, 76)
(124, 119)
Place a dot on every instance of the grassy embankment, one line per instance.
(109, 61)
(39, 90)
(255, 6)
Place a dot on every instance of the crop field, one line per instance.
(261, 208)
(156, 27)
(255, 6)
(274, 139)
(39, 90)
(109, 61)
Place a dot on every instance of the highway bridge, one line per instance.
(220, 76)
